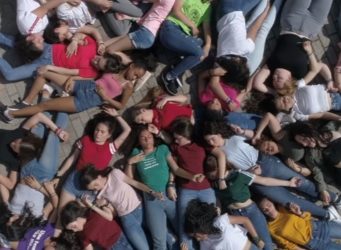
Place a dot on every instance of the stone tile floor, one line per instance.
(325, 47)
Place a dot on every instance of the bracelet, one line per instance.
(39, 189)
(228, 100)
(58, 130)
(53, 195)
(221, 179)
(100, 43)
(300, 170)
(256, 239)
(171, 184)
(311, 54)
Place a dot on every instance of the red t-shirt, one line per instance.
(191, 157)
(100, 232)
(92, 153)
(163, 118)
(81, 60)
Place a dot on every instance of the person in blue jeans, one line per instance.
(93, 229)
(243, 156)
(38, 165)
(236, 199)
(296, 229)
(179, 34)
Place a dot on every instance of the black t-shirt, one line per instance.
(7, 156)
(332, 153)
(290, 55)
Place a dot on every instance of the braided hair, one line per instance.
(199, 218)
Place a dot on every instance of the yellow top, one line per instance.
(290, 230)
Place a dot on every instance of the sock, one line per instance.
(7, 114)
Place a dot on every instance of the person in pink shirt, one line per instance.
(144, 36)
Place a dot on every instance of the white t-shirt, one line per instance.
(239, 153)
(76, 16)
(232, 237)
(308, 100)
(27, 22)
(24, 194)
(232, 37)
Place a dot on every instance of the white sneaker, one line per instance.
(333, 214)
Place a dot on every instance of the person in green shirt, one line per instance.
(179, 33)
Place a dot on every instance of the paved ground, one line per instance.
(325, 48)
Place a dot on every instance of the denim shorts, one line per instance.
(142, 38)
(85, 95)
(336, 101)
(72, 185)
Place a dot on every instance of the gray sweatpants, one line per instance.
(305, 17)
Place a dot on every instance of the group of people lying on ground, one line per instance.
(170, 174)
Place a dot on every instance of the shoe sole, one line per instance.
(165, 85)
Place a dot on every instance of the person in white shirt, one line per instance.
(220, 232)
(308, 102)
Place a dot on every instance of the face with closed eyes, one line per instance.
(269, 147)
(280, 77)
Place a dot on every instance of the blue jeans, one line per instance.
(336, 101)
(272, 167)
(185, 196)
(142, 38)
(243, 120)
(258, 220)
(132, 226)
(158, 212)
(173, 38)
(85, 95)
(24, 71)
(255, 58)
(122, 243)
(228, 6)
(322, 234)
(46, 167)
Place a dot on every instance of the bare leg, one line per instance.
(122, 44)
(64, 104)
(65, 198)
(39, 82)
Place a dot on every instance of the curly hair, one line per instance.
(71, 212)
(199, 218)
(67, 240)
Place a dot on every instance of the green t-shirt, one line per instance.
(153, 170)
(195, 10)
(237, 190)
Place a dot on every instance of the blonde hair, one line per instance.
(289, 88)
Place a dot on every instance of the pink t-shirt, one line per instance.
(121, 195)
(156, 15)
(110, 84)
(207, 95)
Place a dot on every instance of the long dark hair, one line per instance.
(30, 148)
(199, 218)
(90, 173)
(71, 212)
(68, 240)
(214, 128)
(17, 229)
(104, 118)
(306, 129)
(27, 49)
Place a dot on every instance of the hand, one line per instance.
(158, 195)
(295, 182)
(72, 48)
(86, 200)
(238, 130)
(162, 102)
(153, 129)
(255, 139)
(63, 135)
(325, 197)
(101, 49)
(222, 185)
(74, 2)
(43, 69)
(110, 111)
(206, 52)
(101, 202)
(171, 192)
(294, 208)
(68, 85)
(261, 244)
(32, 182)
(331, 87)
(136, 158)
(105, 5)
(194, 30)
(183, 246)
(198, 178)
(307, 47)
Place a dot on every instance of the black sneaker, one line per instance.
(19, 105)
(3, 116)
(171, 86)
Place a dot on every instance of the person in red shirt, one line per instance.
(93, 229)
(191, 157)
